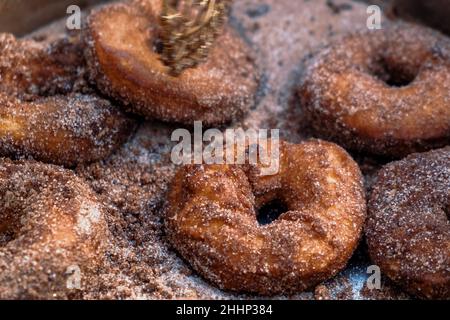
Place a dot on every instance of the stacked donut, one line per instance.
(387, 93)
(364, 94)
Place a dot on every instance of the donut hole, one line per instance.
(392, 73)
(271, 211)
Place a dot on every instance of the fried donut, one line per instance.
(408, 228)
(124, 63)
(41, 115)
(50, 223)
(382, 92)
(212, 219)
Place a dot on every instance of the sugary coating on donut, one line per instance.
(50, 224)
(124, 64)
(385, 92)
(408, 228)
(211, 220)
(41, 117)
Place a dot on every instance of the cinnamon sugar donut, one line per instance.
(50, 224)
(408, 229)
(212, 219)
(385, 92)
(41, 115)
(124, 63)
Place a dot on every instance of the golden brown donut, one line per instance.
(433, 13)
(123, 62)
(41, 116)
(50, 224)
(384, 92)
(212, 219)
(408, 228)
